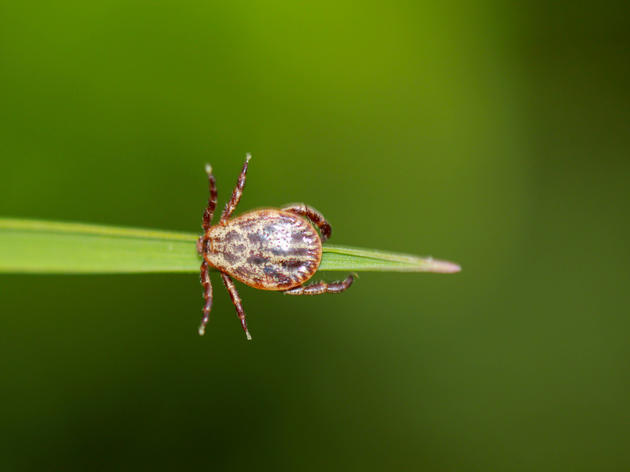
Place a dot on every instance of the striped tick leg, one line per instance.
(207, 296)
(319, 288)
(202, 248)
(229, 284)
(238, 191)
(312, 214)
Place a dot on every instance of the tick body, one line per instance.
(269, 249)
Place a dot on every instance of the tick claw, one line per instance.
(202, 330)
(249, 336)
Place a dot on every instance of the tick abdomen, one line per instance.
(268, 249)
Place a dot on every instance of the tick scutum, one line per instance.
(268, 249)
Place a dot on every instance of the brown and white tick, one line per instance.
(270, 249)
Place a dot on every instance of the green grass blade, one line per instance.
(353, 258)
(33, 246)
(55, 247)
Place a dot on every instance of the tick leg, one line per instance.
(208, 212)
(201, 248)
(322, 287)
(212, 201)
(238, 191)
(312, 214)
(207, 296)
(229, 284)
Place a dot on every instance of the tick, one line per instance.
(269, 249)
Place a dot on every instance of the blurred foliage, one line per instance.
(493, 134)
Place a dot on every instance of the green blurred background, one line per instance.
(492, 134)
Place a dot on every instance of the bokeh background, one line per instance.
(495, 134)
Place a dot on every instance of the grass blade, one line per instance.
(46, 247)
(353, 258)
